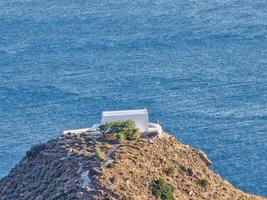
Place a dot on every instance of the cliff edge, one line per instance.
(88, 166)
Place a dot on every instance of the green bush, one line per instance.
(163, 190)
(203, 182)
(169, 171)
(183, 168)
(100, 154)
(189, 172)
(123, 130)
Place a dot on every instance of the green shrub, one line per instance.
(183, 168)
(135, 135)
(123, 130)
(189, 172)
(169, 171)
(120, 136)
(100, 154)
(203, 182)
(163, 190)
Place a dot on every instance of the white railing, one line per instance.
(153, 127)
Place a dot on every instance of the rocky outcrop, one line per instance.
(86, 166)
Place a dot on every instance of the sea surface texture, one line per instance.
(200, 67)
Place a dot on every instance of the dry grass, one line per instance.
(139, 163)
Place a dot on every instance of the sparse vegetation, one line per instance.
(132, 170)
(169, 171)
(162, 190)
(189, 172)
(122, 130)
(203, 182)
(35, 150)
(183, 168)
(100, 154)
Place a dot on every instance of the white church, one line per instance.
(140, 117)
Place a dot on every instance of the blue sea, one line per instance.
(200, 67)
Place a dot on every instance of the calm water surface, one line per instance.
(198, 66)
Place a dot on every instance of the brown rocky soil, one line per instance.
(87, 167)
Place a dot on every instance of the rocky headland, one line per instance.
(89, 166)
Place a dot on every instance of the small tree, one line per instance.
(203, 182)
(163, 190)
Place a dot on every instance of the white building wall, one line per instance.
(140, 117)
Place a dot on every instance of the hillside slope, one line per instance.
(87, 166)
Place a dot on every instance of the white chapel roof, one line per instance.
(125, 112)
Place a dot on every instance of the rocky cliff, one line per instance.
(88, 166)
